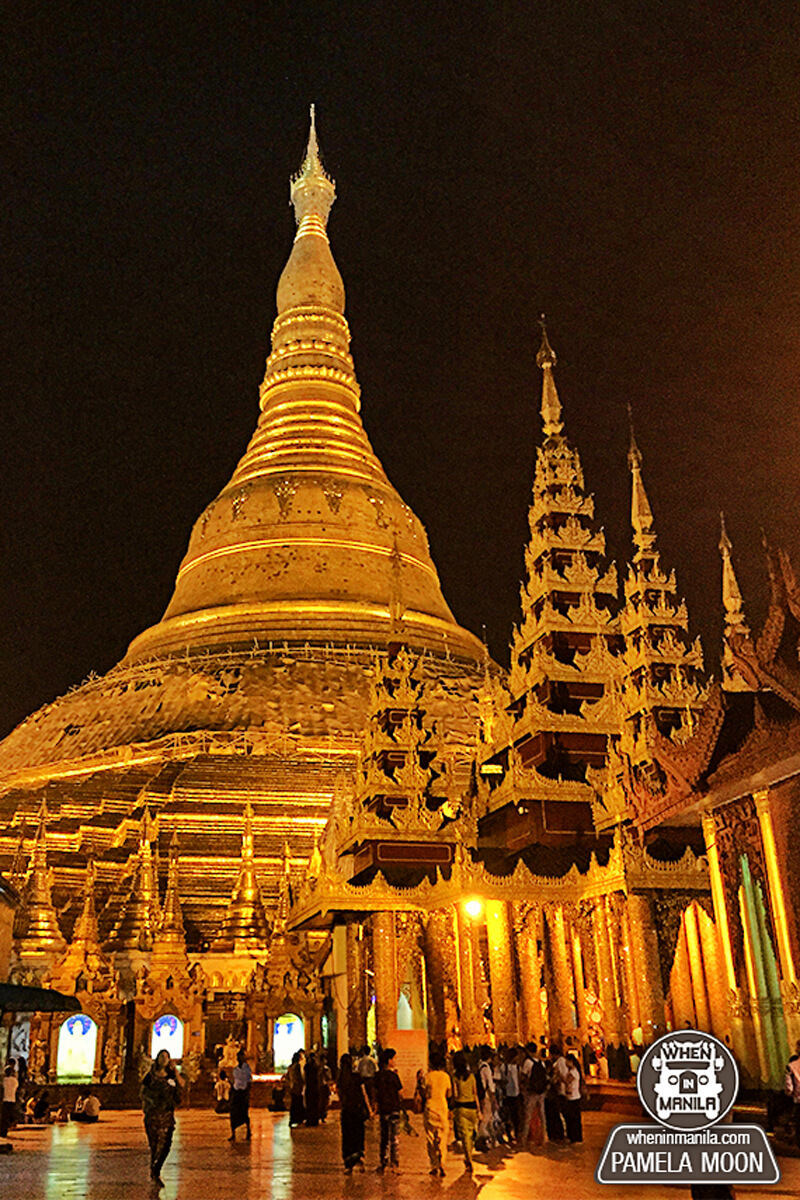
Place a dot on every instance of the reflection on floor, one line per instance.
(109, 1161)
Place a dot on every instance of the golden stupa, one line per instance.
(308, 541)
(251, 693)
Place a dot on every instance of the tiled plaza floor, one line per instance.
(109, 1161)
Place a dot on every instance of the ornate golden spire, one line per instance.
(661, 670)
(551, 405)
(40, 932)
(736, 627)
(300, 545)
(141, 915)
(284, 890)
(315, 859)
(312, 191)
(170, 928)
(731, 594)
(169, 944)
(245, 923)
(86, 930)
(84, 963)
(644, 538)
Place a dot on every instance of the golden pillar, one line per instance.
(629, 974)
(528, 929)
(473, 1030)
(777, 903)
(356, 987)
(715, 975)
(560, 1002)
(759, 1003)
(580, 987)
(437, 937)
(646, 965)
(681, 984)
(777, 891)
(742, 1045)
(699, 993)
(501, 973)
(607, 983)
(383, 959)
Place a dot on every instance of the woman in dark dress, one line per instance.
(296, 1078)
(354, 1112)
(161, 1093)
(312, 1090)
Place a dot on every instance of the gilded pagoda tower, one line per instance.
(560, 709)
(230, 721)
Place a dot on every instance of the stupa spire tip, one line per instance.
(546, 356)
(551, 405)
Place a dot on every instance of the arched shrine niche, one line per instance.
(167, 1035)
(77, 1049)
(288, 1037)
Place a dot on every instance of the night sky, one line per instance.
(629, 168)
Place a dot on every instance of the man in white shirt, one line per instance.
(792, 1088)
(9, 1110)
(367, 1068)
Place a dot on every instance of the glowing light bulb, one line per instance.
(473, 908)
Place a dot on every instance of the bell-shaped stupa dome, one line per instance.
(309, 542)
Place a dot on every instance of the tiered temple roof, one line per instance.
(563, 654)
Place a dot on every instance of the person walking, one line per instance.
(513, 1097)
(554, 1098)
(436, 1113)
(792, 1088)
(325, 1085)
(388, 1089)
(296, 1078)
(573, 1080)
(354, 1111)
(534, 1126)
(487, 1098)
(465, 1106)
(312, 1091)
(240, 1096)
(367, 1069)
(8, 1114)
(161, 1094)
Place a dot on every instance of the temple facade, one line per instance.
(308, 809)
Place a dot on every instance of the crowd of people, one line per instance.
(518, 1097)
(522, 1097)
(26, 1104)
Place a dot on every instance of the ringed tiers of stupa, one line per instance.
(254, 685)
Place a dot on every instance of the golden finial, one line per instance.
(644, 537)
(731, 592)
(171, 925)
(141, 914)
(38, 916)
(546, 355)
(86, 925)
(312, 190)
(551, 405)
(315, 858)
(245, 921)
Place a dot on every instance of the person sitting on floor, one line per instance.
(87, 1107)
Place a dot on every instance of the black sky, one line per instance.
(629, 167)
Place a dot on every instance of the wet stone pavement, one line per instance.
(109, 1161)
